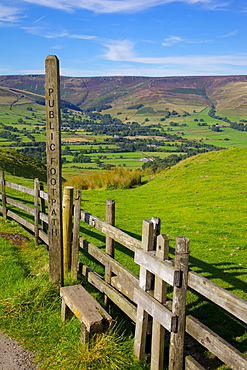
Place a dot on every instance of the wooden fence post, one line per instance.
(4, 209)
(158, 331)
(67, 226)
(43, 208)
(75, 239)
(176, 356)
(54, 169)
(145, 281)
(36, 211)
(110, 219)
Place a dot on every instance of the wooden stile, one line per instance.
(4, 209)
(76, 232)
(145, 281)
(192, 364)
(42, 195)
(215, 344)
(228, 301)
(110, 219)
(36, 211)
(67, 226)
(158, 337)
(176, 355)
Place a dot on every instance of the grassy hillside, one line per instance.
(18, 164)
(202, 198)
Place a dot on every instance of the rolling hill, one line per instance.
(226, 93)
(19, 164)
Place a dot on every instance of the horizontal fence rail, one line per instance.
(142, 298)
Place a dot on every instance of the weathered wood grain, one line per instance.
(111, 231)
(145, 283)
(4, 207)
(123, 287)
(54, 168)
(228, 301)
(192, 364)
(19, 187)
(85, 308)
(43, 236)
(36, 211)
(164, 270)
(75, 237)
(43, 195)
(155, 309)
(21, 220)
(68, 193)
(176, 353)
(108, 261)
(96, 280)
(43, 217)
(109, 242)
(23, 206)
(215, 344)
(160, 288)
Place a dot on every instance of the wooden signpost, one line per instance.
(54, 178)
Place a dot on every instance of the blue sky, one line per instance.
(124, 37)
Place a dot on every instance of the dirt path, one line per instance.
(13, 357)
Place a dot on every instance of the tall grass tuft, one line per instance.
(116, 178)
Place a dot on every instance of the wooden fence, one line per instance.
(143, 298)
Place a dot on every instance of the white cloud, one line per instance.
(123, 51)
(233, 33)
(171, 40)
(83, 37)
(120, 50)
(116, 6)
(9, 14)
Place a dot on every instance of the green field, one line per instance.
(29, 120)
(202, 198)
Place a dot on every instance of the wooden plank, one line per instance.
(228, 301)
(123, 287)
(43, 217)
(215, 344)
(75, 239)
(156, 309)
(176, 352)
(21, 220)
(43, 207)
(111, 231)
(109, 242)
(145, 283)
(36, 211)
(19, 187)
(43, 236)
(162, 269)
(68, 193)
(96, 280)
(20, 205)
(43, 195)
(108, 261)
(160, 288)
(4, 208)
(192, 364)
(85, 307)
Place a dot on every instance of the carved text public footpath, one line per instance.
(53, 166)
(54, 178)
